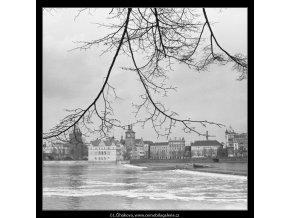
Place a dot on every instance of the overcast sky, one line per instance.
(73, 79)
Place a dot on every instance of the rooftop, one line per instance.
(160, 144)
(206, 143)
(107, 142)
(138, 140)
(148, 142)
(177, 139)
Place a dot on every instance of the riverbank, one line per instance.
(222, 168)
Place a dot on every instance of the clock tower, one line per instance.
(130, 137)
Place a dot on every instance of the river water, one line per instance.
(70, 185)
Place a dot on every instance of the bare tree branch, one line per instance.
(73, 119)
(163, 37)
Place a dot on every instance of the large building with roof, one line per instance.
(176, 148)
(241, 146)
(205, 148)
(236, 143)
(138, 152)
(103, 150)
(159, 150)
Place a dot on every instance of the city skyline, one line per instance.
(123, 136)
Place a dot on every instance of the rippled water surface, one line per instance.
(87, 186)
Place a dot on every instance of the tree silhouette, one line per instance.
(162, 37)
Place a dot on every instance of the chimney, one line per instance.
(206, 135)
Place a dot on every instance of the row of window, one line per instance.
(100, 152)
(205, 152)
(168, 155)
(177, 145)
(154, 148)
(102, 148)
(166, 158)
(167, 152)
(102, 158)
(203, 147)
(171, 149)
(165, 147)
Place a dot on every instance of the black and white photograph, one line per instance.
(163, 110)
(145, 109)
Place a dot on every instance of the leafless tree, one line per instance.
(162, 37)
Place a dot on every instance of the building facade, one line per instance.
(159, 150)
(62, 151)
(47, 152)
(236, 143)
(119, 151)
(206, 148)
(147, 145)
(103, 151)
(138, 151)
(57, 151)
(230, 135)
(176, 148)
(240, 147)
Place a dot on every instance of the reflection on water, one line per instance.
(128, 179)
(82, 185)
(74, 182)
